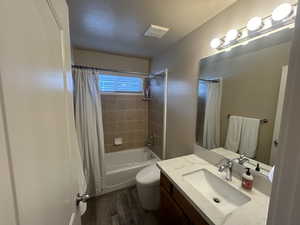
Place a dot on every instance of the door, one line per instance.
(37, 123)
(277, 123)
(7, 204)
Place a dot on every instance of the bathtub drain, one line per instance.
(216, 200)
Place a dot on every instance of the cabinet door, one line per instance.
(188, 209)
(170, 213)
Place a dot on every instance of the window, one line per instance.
(113, 83)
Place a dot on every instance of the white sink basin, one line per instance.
(217, 191)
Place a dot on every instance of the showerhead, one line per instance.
(158, 75)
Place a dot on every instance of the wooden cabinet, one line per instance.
(175, 209)
(171, 213)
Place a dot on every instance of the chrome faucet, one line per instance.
(243, 159)
(228, 167)
(228, 164)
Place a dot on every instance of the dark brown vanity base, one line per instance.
(175, 208)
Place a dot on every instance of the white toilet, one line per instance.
(148, 187)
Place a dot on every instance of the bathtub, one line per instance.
(122, 167)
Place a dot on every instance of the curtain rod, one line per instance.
(108, 70)
(214, 81)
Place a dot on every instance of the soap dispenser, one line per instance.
(257, 169)
(247, 180)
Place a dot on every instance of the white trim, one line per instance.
(164, 150)
(164, 153)
(278, 117)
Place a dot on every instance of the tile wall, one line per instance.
(126, 117)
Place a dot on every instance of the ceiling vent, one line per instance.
(156, 31)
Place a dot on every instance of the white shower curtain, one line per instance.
(89, 127)
(211, 132)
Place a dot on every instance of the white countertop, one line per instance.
(254, 212)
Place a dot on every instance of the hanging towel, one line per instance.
(234, 133)
(249, 137)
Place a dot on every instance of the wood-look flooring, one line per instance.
(118, 208)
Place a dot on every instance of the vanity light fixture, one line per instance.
(283, 17)
(291, 26)
(245, 43)
(282, 12)
(268, 23)
(232, 35)
(216, 43)
(255, 24)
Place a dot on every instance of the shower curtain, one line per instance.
(89, 127)
(211, 132)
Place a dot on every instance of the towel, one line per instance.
(234, 133)
(249, 137)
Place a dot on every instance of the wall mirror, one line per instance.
(240, 98)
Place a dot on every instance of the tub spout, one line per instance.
(150, 141)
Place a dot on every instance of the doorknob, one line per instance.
(276, 142)
(81, 198)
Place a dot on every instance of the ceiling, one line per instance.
(118, 26)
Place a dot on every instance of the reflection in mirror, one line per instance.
(240, 98)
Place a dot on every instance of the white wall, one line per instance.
(110, 61)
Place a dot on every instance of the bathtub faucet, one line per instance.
(150, 141)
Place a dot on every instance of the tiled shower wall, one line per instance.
(124, 116)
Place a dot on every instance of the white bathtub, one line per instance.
(122, 167)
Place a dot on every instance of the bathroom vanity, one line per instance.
(194, 192)
(175, 208)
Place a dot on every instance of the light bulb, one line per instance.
(268, 23)
(292, 26)
(232, 35)
(255, 24)
(282, 12)
(216, 43)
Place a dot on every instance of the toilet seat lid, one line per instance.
(149, 175)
